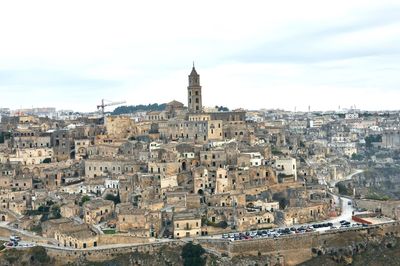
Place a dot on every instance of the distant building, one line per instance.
(287, 166)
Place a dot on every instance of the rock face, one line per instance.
(379, 183)
(34, 256)
(377, 251)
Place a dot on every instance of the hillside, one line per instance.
(386, 252)
(138, 108)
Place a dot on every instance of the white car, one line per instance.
(15, 238)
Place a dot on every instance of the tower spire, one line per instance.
(194, 92)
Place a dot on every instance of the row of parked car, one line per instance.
(268, 233)
(346, 224)
(286, 231)
(323, 225)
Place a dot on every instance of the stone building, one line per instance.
(186, 224)
(32, 156)
(195, 104)
(137, 222)
(98, 210)
(50, 227)
(62, 142)
(251, 220)
(287, 167)
(107, 166)
(120, 126)
(77, 237)
(35, 141)
(81, 148)
(70, 210)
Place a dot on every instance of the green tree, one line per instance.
(84, 199)
(343, 189)
(192, 255)
(222, 108)
(116, 199)
(371, 139)
(56, 212)
(39, 254)
(136, 108)
(223, 224)
(276, 151)
(357, 157)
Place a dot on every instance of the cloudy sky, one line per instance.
(250, 54)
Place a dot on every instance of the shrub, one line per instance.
(192, 255)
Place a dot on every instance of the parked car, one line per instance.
(15, 238)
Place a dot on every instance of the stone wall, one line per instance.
(298, 248)
(388, 208)
(294, 248)
(98, 255)
(121, 239)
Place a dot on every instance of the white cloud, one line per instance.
(251, 54)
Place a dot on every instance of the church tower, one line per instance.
(195, 104)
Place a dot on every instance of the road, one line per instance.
(347, 209)
(348, 177)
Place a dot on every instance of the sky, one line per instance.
(249, 54)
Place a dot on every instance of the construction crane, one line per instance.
(103, 105)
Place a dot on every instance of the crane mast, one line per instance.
(103, 105)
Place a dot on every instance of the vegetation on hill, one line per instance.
(385, 252)
(116, 198)
(33, 256)
(345, 188)
(138, 108)
(193, 255)
(4, 136)
(372, 139)
(84, 199)
(48, 211)
(382, 182)
(222, 108)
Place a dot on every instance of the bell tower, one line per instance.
(195, 104)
